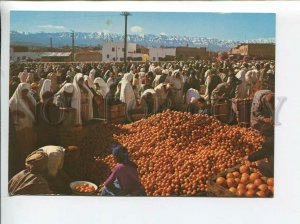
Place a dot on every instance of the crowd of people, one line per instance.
(41, 93)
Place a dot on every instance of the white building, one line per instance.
(23, 56)
(115, 51)
(159, 52)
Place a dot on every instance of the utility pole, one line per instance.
(73, 47)
(51, 43)
(116, 51)
(125, 14)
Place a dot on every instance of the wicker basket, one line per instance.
(216, 190)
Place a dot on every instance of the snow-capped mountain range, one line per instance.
(148, 40)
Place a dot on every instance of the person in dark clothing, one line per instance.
(267, 151)
(221, 92)
(48, 118)
(191, 82)
(31, 181)
(262, 109)
(13, 85)
(215, 80)
(110, 98)
(234, 82)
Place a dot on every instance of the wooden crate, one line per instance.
(222, 112)
(115, 113)
(216, 190)
(244, 112)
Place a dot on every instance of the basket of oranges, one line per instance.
(241, 181)
(83, 188)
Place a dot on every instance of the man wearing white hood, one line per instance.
(242, 90)
(127, 94)
(82, 100)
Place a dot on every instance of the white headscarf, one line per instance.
(127, 94)
(90, 83)
(68, 88)
(23, 76)
(16, 103)
(46, 87)
(76, 99)
(92, 74)
(103, 86)
(191, 94)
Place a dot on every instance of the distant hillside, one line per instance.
(98, 38)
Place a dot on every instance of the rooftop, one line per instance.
(56, 54)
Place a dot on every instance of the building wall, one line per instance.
(184, 53)
(260, 51)
(115, 51)
(88, 56)
(22, 56)
(155, 53)
(57, 59)
(135, 56)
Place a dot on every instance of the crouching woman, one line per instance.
(124, 179)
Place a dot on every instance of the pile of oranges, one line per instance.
(247, 183)
(177, 152)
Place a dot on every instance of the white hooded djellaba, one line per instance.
(17, 104)
(82, 100)
(127, 94)
(23, 119)
(46, 87)
(102, 87)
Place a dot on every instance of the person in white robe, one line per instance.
(126, 93)
(22, 108)
(92, 74)
(46, 87)
(242, 90)
(101, 87)
(151, 98)
(82, 100)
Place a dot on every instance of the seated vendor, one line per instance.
(31, 181)
(124, 179)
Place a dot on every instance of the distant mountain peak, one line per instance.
(148, 40)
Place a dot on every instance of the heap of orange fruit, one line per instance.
(176, 152)
(246, 182)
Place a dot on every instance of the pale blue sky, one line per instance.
(227, 26)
